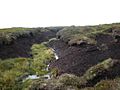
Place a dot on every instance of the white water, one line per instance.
(47, 68)
(56, 56)
(32, 77)
(47, 76)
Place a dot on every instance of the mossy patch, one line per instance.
(42, 55)
(98, 72)
(13, 71)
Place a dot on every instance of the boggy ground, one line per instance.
(87, 54)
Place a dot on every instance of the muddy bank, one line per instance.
(22, 46)
(77, 59)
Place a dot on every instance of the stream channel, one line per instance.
(46, 76)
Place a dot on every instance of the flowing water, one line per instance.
(46, 76)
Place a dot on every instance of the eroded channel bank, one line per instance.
(21, 47)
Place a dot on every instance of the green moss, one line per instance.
(99, 68)
(26, 84)
(13, 70)
(41, 56)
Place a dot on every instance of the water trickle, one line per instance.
(46, 76)
(56, 56)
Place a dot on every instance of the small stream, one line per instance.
(46, 76)
(56, 56)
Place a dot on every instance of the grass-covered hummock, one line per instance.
(77, 34)
(10, 72)
(41, 57)
(14, 70)
(9, 35)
